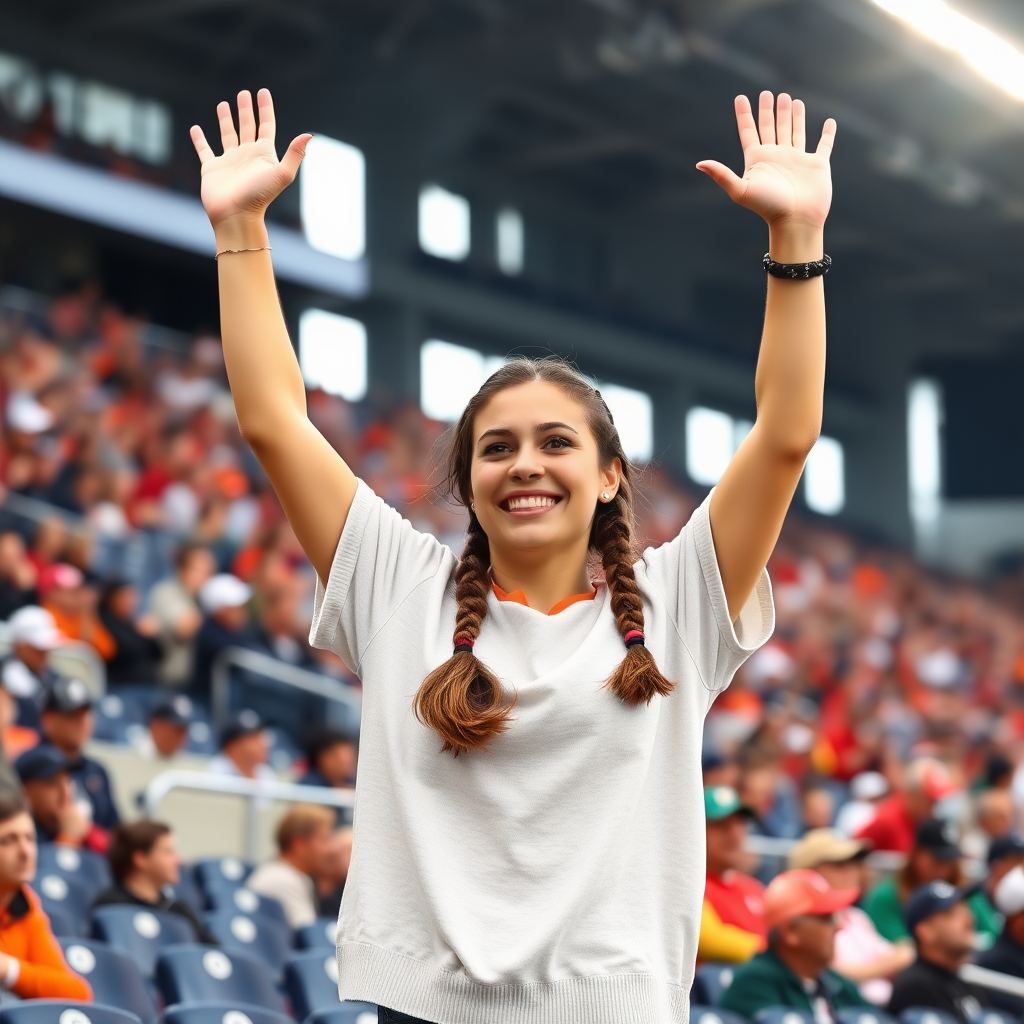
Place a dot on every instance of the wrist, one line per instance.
(242, 231)
(789, 242)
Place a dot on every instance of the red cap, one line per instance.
(936, 782)
(794, 893)
(59, 575)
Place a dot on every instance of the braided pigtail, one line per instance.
(461, 700)
(637, 679)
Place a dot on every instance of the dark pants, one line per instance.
(386, 1016)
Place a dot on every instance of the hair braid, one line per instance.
(462, 699)
(637, 678)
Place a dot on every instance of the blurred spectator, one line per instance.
(17, 575)
(244, 748)
(861, 954)
(31, 962)
(279, 629)
(993, 819)
(223, 599)
(732, 917)
(25, 672)
(717, 769)
(145, 866)
(1007, 953)
(330, 883)
(794, 972)
(169, 722)
(897, 818)
(817, 806)
(331, 755)
(939, 919)
(770, 793)
(304, 853)
(46, 776)
(866, 791)
(137, 653)
(67, 721)
(173, 605)
(13, 740)
(72, 603)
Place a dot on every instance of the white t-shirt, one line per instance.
(556, 877)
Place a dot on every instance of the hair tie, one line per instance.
(634, 637)
(463, 645)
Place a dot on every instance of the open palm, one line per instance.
(781, 181)
(247, 176)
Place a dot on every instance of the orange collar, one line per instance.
(518, 597)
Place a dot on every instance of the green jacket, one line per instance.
(883, 906)
(766, 981)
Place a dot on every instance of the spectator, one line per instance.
(717, 769)
(244, 748)
(304, 851)
(817, 806)
(866, 791)
(800, 913)
(145, 865)
(17, 575)
(861, 954)
(137, 652)
(732, 917)
(25, 672)
(331, 756)
(11, 736)
(169, 722)
(897, 818)
(173, 605)
(941, 922)
(279, 629)
(1007, 953)
(993, 820)
(45, 774)
(935, 858)
(32, 965)
(223, 599)
(770, 793)
(72, 603)
(330, 883)
(67, 722)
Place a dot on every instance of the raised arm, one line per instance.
(792, 190)
(314, 484)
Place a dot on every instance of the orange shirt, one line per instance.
(520, 598)
(43, 972)
(88, 629)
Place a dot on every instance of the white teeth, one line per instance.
(533, 501)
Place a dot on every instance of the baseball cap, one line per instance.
(59, 576)
(1009, 894)
(26, 415)
(826, 846)
(932, 778)
(173, 708)
(722, 801)
(940, 838)
(66, 695)
(1011, 845)
(868, 786)
(42, 762)
(244, 723)
(36, 627)
(795, 893)
(933, 898)
(223, 591)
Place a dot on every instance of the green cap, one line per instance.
(722, 801)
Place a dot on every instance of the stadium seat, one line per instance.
(85, 867)
(857, 1015)
(140, 933)
(322, 934)
(782, 1015)
(713, 1015)
(710, 981)
(115, 715)
(199, 974)
(254, 935)
(248, 902)
(114, 976)
(187, 890)
(215, 870)
(311, 982)
(222, 1013)
(64, 1011)
(925, 1015)
(346, 1013)
(66, 897)
(990, 1016)
(61, 925)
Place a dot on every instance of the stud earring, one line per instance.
(472, 506)
(605, 496)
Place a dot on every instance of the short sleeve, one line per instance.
(381, 559)
(685, 574)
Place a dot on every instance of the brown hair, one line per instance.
(11, 805)
(128, 840)
(302, 821)
(462, 699)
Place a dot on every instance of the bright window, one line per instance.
(509, 241)
(710, 443)
(824, 485)
(332, 353)
(450, 376)
(633, 413)
(924, 451)
(332, 198)
(444, 223)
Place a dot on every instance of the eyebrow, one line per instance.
(540, 429)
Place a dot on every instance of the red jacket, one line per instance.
(892, 827)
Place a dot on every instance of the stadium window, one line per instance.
(106, 117)
(633, 413)
(443, 223)
(510, 240)
(332, 353)
(450, 375)
(710, 443)
(332, 198)
(824, 484)
(924, 451)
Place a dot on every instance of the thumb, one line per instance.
(724, 176)
(294, 154)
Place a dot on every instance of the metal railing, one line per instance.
(254, 791)
(267, 668)
(995, 980)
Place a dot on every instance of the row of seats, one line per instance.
(63, 1011)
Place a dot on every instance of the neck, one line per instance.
(143, 888)
(544, 577)
(293, 861)
(8, 890)
(806, 968)
(717, 869)
(942, 958)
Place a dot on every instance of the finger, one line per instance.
(203, 150)
(784, 119)
(268, 123)
(766, 118)
(246, 117)
(723, 176)
(745, 123)
(228, 138)
(293, 157)
(799, 126)
(828, 138)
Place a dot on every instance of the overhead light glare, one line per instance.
(993, 58)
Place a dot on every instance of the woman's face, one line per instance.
(536, 477)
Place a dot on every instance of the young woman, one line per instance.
(529, 836)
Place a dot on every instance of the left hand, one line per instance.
(781, 182)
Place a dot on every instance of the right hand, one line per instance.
(246, 178)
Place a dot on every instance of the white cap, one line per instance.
(26, 415)
(868, 786)
(35, 626)
(1009, 895)
(223, 591)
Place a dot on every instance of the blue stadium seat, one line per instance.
(140, 933)
(925, 1015)
(116, 714)
(64, 1011)
(87, 868)
(311, 982)
(346, 1013)
(187, 890)
(199, 974)
(219, 870)
(61, 925)
(713, 1015)
(246, 901)
(67, 897)
(114, 976)
(991, 1016)
(861, 1015)
(782, 1015)
(254, 935)
(710, 981)
(222, 1013)
(322, 934)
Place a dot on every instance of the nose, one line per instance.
(526, 465)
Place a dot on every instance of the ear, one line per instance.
(611, 477)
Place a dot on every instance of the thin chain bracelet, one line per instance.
(226, 252)
(797, 271)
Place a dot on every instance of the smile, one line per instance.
(530, 502)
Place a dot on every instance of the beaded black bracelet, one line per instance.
(797, 271)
